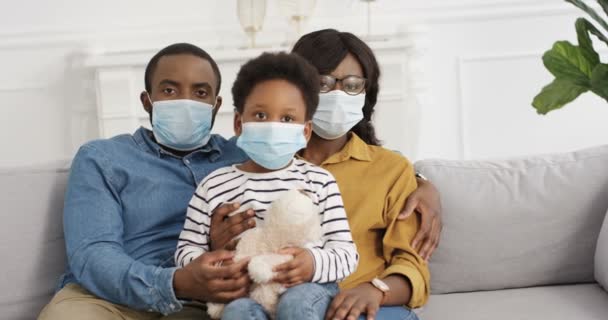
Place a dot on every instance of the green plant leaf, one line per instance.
(568, 61)
(583, 28)
(577, 69)
(604, 5)
(557, 94)
(583, 6)
(585, 24)
(599, 80)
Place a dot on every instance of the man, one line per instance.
(126, 201)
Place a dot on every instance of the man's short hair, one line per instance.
(180, 48)
(273, 66)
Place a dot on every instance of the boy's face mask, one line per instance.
(272, 145)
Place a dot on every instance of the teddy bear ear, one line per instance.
(302, 191)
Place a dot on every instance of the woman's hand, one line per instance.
(224, 227)
(350, 304)
(296, 271)
(425, 201)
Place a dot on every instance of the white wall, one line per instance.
(482, 68)
(485, 72)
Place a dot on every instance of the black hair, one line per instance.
(270, 66)
(325, 49)
(181, 48)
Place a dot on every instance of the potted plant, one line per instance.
(577, 68)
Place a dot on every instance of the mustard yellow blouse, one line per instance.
(375, 183)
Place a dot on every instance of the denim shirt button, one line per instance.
(186, 161)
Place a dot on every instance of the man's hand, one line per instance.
(425, 201)
(296, 271)
(350, 304)
(213, 277)
(224, 228)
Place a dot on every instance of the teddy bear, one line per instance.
(291, 221)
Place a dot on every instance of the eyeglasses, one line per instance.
(352, 85)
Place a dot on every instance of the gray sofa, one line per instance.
(519, 238)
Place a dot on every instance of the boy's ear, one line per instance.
(238, 124)
(308, 129)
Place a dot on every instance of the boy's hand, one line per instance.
(296, 271)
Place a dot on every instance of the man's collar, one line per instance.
(144, 138)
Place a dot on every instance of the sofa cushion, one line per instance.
(601, 256)
(580, 302)
(32, 243)
(518, 223)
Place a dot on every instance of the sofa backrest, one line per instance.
(31, 244)
(518, 223)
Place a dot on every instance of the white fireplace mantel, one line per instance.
(116, 81)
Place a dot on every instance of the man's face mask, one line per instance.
(182, 124)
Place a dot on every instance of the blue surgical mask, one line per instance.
(337, 113)
(183, 124)
(272, 145)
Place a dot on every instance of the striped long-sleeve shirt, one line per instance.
(335, 255)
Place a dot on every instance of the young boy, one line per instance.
(275, 96)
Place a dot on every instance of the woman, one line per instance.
(375, 184)
(374, 181)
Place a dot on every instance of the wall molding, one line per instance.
(462, 61)
(490, 10)
(25, 87)
(501, 56)
(391, 19)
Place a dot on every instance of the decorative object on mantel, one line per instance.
(297, 13)
(369, 19)
(251, 16)
(577, 69)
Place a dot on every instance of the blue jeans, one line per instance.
(304, 301)
(393, 313)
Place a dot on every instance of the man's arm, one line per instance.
(426, 202)
(405, 268)
(93, 228)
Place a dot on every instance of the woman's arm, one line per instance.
(400, 291)
(367, 299)
(407, 274)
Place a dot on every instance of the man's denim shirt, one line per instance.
(125, 206)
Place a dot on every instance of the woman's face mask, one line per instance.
(337, 113)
